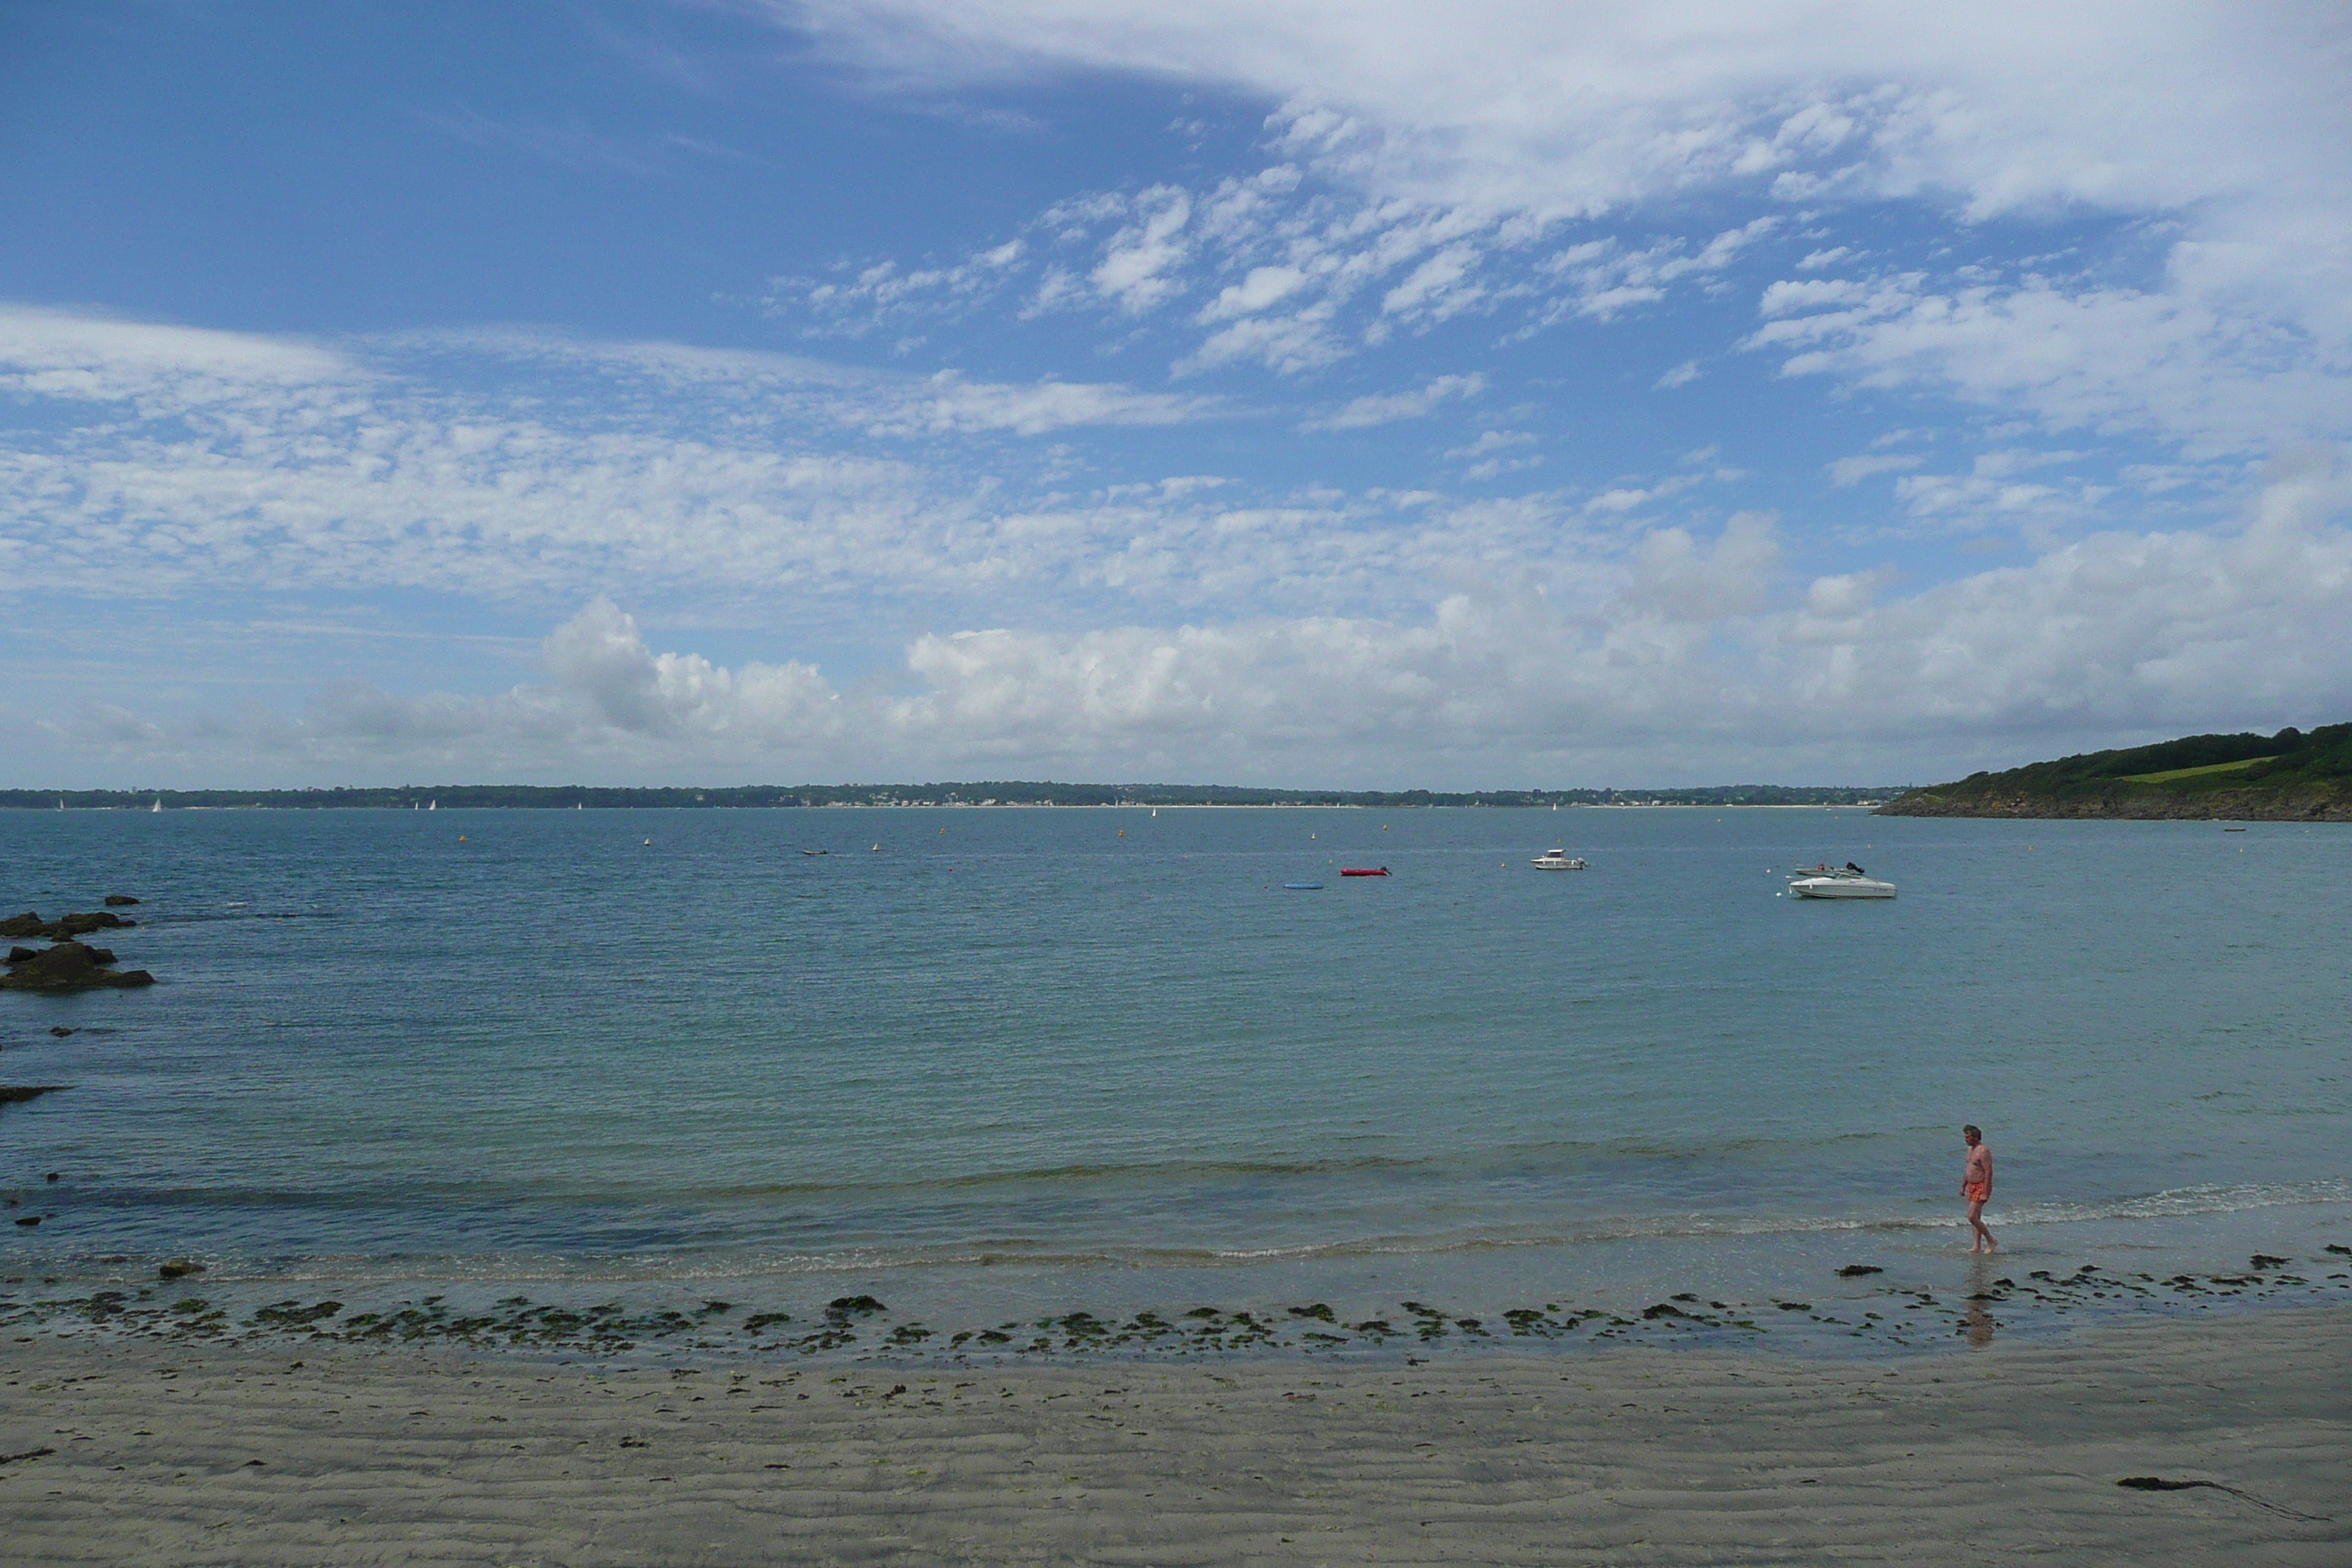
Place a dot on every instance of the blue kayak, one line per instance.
(1303, 886)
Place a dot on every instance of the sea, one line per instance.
(978, 1064)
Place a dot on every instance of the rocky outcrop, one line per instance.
(12, 1093)
(65, 927)
(70, 966)
(120, 901)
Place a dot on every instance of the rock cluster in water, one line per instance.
(64, 927)
(67, 966)
(72, 965)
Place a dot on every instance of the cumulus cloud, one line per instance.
(1700, 645)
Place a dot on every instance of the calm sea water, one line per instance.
(1012, 1054)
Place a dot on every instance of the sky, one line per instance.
(1496, 395)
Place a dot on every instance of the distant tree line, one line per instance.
(453, 797)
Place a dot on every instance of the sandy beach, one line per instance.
(133, 1451)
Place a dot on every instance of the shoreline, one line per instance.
(146, 1452)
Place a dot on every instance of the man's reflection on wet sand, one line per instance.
(1978, 1323)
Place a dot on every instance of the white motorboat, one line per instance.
(1842, 884)
(1557, 860)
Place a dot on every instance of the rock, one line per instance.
(65, 927)
(178, 1268)
(73, 925)
(10, 1093)
(54, 1176)
(59, 1030)
(1856, 1271)
(1664, 1309)
(30, 1219)
(2264, 1261)
(120, 901)
(21, 954)
(70, 966)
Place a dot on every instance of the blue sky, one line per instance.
(1285, 393)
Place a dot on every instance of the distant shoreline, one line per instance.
(977, 795)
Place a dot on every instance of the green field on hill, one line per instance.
(2293, 775)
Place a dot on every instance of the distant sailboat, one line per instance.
(158, 805)
(433, 806)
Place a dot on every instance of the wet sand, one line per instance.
(189, 1454)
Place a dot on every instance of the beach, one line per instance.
(181, 1453)
(576, 1188)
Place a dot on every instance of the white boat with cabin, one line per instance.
(1557, 860)
(1846, 881)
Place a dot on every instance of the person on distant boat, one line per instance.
(1854, 868)
(1976, 1187)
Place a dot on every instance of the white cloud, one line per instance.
(1847, 472)
(1487, 455)
(226, 461)
(2169, 362)
(1385, 408)
(1448, 144)
(1604, 277)
(1696, 645)
(1576, 109)
(1492, 441)
(1137, 266)
(1265, 286)
(1039, 409)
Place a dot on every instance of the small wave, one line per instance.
(2181, 1202)
(651, 1263)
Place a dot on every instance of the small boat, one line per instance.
(1303, 886)
(2225, 830)
(817, 851)
(1557, 860)
(1363, 870)
(1840, 885)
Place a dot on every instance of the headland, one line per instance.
(2291, 776)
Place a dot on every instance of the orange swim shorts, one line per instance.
(1977, 1192)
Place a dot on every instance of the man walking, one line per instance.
(1976, 1187)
